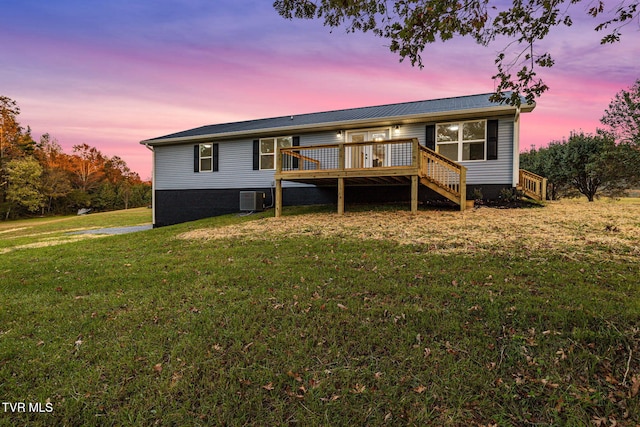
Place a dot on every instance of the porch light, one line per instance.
(339, 134)
(396, 130)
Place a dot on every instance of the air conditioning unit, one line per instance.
(251, 201)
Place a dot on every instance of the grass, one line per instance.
(322, 320)
(52, 231)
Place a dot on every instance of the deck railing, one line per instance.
(371, 160)
(348, 155)
(445, 173)
(532, 185)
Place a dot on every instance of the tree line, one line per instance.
(39, 178)
(605, 163)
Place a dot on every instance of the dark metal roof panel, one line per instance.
(415, 108)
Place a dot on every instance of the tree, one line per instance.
(55, 186)
(549, 162)
(410, 25)
(9, 129)
(623, 115)
(87, 166)
(594, 163)
(24, 184)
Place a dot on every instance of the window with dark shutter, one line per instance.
(216, 157)
(205, 157)
(295, 160)
(430, 140)
(492, 139)
(264, 152)
(256, 154)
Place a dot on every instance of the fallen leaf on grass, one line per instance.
(295, 376)
(342, 307)
(635, 385)
(358, 389)
(175, 378)
(549, 384)
(157, 367)
(268, 386)
(420, 389)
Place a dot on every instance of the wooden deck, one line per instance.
(398, 161)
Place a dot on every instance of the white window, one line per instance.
(206, 157)
(268, 150)
(462, 141)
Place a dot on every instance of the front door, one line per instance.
(370, 155)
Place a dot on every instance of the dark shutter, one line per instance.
(430, 141)
(492, 139)
(256, 154)
(214, 152)
(295, 143)
(196, 158)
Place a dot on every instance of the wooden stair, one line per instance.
(532, 186)
(444, 176)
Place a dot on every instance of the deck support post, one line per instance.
(340, 196)
(463, 189)
(278, 167)
(543, 193)
(278, 198)
(414, 194)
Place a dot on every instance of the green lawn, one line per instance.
(50, 231)
(314, 328)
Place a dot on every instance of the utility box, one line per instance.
(251, 201)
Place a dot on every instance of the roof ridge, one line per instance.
(344, 115)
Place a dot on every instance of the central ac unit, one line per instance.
(251, 201)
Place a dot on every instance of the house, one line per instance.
(408, 151)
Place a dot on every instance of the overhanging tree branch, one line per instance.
(410, 25)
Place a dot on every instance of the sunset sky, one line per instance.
(113, 73)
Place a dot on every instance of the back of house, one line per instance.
(210, 170)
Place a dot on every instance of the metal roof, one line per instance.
(401, 112)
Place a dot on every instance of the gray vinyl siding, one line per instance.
(174, 166)
(174, 163)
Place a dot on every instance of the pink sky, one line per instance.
(114, 74)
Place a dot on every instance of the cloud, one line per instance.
(113, 73)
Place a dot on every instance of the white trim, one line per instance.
(153, 184)
(275, 142)
(201, 157)
(460, 142)
(516, 148)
